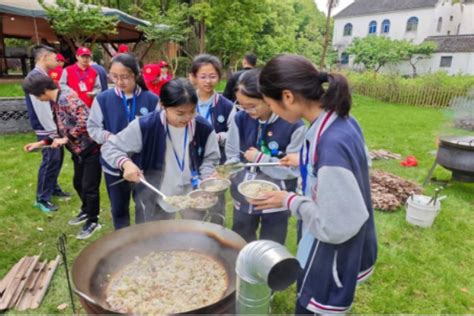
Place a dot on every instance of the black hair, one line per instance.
(40, 50)
(37, 84)
(251, 59)
(131, 62)
(177, 92)
(203, 59)
(248, 84)
(300, 76)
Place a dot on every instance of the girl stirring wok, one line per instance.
(338, 247)
(177, 148)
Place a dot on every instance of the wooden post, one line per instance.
(3, 60)
(147, 50)
(106, 49)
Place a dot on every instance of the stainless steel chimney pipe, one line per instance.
(262, 266)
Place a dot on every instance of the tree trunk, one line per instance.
(202, 37)
(326, 35)
(413, 66)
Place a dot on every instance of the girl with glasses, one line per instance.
(257, 134)
(206, 71)
(112, 111)
(176, 147)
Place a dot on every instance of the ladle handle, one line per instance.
(151, 187)
(262, 164)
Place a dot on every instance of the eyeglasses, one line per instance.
(252, 109)
(116, 78)
(210, 77)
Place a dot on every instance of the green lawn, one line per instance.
(418, 270)
(11, 90)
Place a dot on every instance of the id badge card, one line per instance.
(82, 86)
(250, 176)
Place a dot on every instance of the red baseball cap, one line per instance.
(163, 64)
(60, 57)
(151, 71)
(123, 48)
(83, 51)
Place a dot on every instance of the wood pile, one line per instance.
(25, 285)
(383, 154)
(389, 191)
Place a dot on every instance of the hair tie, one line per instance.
(323, 76)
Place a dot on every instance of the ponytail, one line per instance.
(297, 74)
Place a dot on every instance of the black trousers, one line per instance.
(273, 226)
(86, 181)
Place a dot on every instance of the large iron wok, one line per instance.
(109, 253)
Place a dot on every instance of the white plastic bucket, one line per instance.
(419, 212)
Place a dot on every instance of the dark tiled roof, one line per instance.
(453, 43)
(368, 7)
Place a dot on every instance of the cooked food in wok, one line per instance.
(167, 282)
(254, 189)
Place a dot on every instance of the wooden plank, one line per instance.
(9, 276)
(23, 281)
(44, 283)
(27, 296)
(14, 283)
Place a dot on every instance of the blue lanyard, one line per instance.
(304, 167)
(180, 162)
(209, 112)
(130, 114)
(208, 115)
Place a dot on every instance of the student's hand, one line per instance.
(58, 142)
(251, 154)
(131, 172)
(32, 146)
(291, 160)
(270, 200)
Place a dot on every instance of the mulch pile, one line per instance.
(389, 191)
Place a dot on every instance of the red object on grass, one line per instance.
(410, 161)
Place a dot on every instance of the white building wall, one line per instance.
(467, 18)
(462, 63)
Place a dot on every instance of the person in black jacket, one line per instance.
(249, 62)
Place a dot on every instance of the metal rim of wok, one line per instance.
(465, 142)
(112, 251)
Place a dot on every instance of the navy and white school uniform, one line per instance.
(111, 112)
(219, 112)
(338, 248)
(273, 138)
(172, 159)
(41, 119)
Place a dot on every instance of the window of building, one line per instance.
(412, 24)
(385, 26)
(344, 58)
(372, 27)
(451, 18)
(449, 32)
(440, 25)
(348, 29)
(458, 29)
(446, 61)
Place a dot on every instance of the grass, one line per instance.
(11, 90)
(418, 270)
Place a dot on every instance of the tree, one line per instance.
(79, 23)
(375, 51)
(414, 53)
(331, 5)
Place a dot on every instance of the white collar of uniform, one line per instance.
(120, 93)
(191, 124)
(314, 129)
(272, 119)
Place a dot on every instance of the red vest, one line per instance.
(75, 75)
(56, 74)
